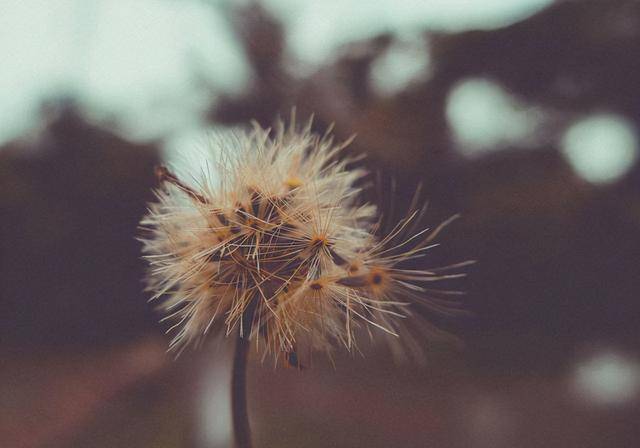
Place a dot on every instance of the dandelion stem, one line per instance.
(240, 416)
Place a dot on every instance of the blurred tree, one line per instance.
(71, 201)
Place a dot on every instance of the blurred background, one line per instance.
(522, 115)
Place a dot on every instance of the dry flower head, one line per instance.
(282, 250)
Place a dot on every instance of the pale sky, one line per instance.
(133, 60)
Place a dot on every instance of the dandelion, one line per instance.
(272, 243)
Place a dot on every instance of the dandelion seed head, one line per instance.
(274, 230)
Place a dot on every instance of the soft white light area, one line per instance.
(194, 152)
(213, 425)
(130, 61)
(36, 47)
(608, 378)
(601, 148)
(484, 117)
(405, 61)
(315, 28)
